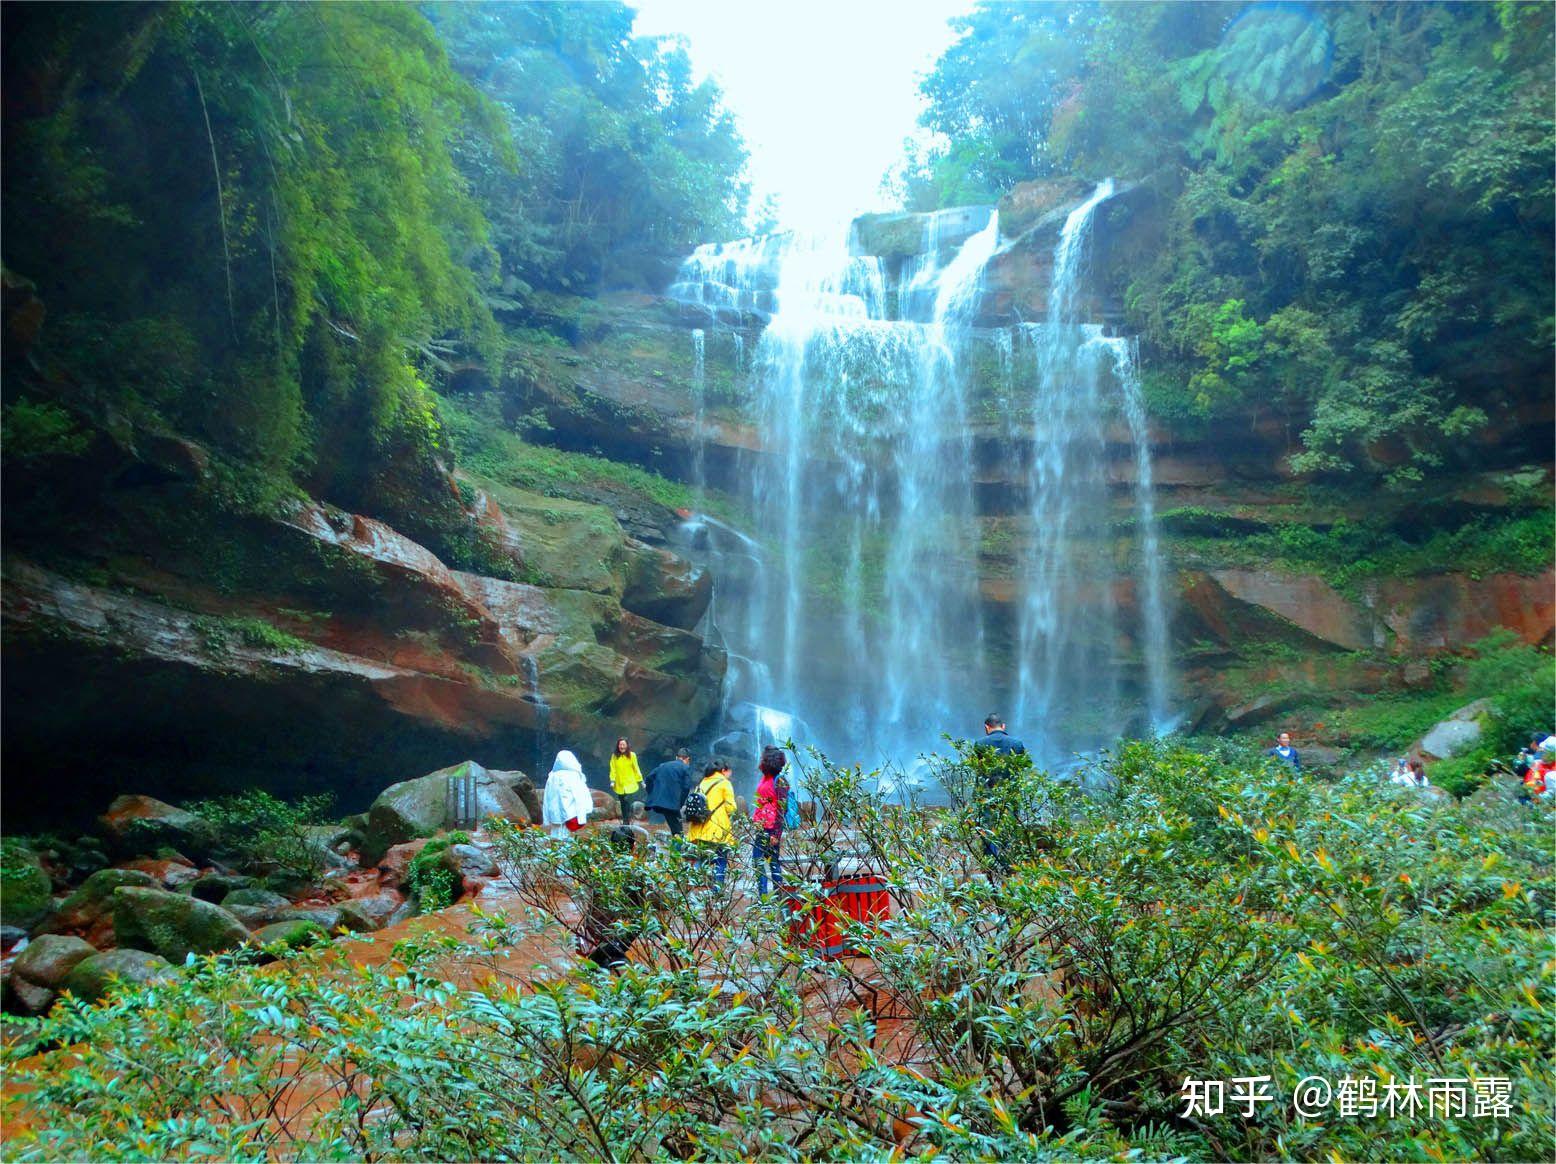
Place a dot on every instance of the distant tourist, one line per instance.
(1284, 751)
(668, 785)
(1002, 743)
(770, 814)
(626, 778)
(1418, 774)
(1527, 756)
(709, 812)
(567, 803)
(1402, 774)
(995, 736)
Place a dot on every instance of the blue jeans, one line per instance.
(765, 855)
(719, 855)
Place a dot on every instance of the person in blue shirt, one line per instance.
(668, 785)
(1284, 751)
(995, 736)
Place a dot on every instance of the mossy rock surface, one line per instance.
(92, 977)
(142, 825)
(294, 934)
(419, 807)
(94, 896)
(566, 544)
(26, 893)
(173, 925)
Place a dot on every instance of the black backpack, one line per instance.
(696, 810)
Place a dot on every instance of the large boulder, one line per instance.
(39, 972)
(171, 872)
(92, 977)
(469, 861)
(139, 825)
(88, 912)
(665, 587)
(420, 807)
(1455, 735)
(255, 898)
(172, 924)
(524, 788)
(25, 889)
(216, 886)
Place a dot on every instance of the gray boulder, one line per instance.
(216, 886)
(379, 910)
(1455, 735)
(420, 807)
(293, 934)
(524, 788)
(93, 976)
(469, 861)
(172, 924)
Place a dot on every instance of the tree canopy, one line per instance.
(1353, 222)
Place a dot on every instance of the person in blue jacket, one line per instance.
(1284, 751)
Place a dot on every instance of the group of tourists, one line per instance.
(1535, 766)
(700, 809)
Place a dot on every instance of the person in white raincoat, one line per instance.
(567, 802)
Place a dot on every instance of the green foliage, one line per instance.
(40, 429)
(1348, 205)
(428, 879)
(1212, 917)
(261, 833)
(621, 156)
(265, 199)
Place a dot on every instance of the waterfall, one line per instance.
(699, 409)
(864, 625)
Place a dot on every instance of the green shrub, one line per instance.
(1212, 916)
(264, 834)
(433, 884)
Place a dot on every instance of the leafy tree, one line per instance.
(1371, 185)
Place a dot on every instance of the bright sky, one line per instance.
(825, 91)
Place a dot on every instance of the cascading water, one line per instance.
(864, 626)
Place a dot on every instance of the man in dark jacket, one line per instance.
(995, 736)
(668, 785)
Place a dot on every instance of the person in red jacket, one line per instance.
(772, 802)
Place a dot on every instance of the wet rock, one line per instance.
(255, 897)
(25, 997)
(26, 891)
(252, 916)
(88, 912)
(1455, 735)
(294, 934)
(328, 917)
(606, 805)
(415, 808)
(215, 887)
(466, 861)
(172, 924)
(359, 921)
(397, 861)
(10, 935)
(379, 910)
(93, 977)
(1260, 709)
(666, 588)
(137, 825)
(169, 872)
(40, 971)
(524, 788)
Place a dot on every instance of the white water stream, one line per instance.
(859, 617)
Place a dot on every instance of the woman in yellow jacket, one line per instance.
(626, 778)
(717, 833)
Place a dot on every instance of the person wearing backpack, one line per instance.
(770, 815)
(709, 813)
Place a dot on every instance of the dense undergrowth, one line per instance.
(1210, 918)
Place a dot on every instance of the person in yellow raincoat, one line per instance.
(626, 778)
(715, 832)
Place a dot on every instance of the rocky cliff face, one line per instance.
(159, 637)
